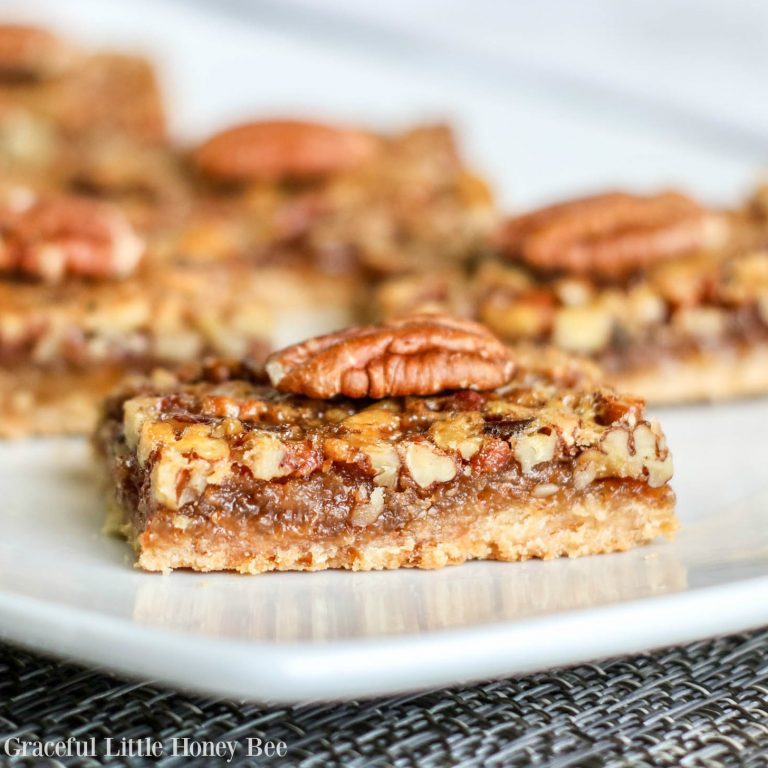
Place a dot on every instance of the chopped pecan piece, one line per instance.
(611, 235)
(418, 355)
(427, 465)
(69, 235)
(640, 453)
(282, 149)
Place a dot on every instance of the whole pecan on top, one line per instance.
(282, 149)
(69, 235)
(416, 355)
(28, 52)
(612, 234)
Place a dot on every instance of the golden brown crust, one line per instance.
(604, 521)
(417, 355)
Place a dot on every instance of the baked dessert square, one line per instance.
(85, 301)
(343, 199)
(668, 296)
(57, 97)
(265, 233)
(420, 443)
(323, 210)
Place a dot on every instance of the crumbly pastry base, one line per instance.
(701, 377)
(597, 521)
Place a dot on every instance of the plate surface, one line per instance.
(69, 590)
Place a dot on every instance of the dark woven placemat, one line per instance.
(705, 704)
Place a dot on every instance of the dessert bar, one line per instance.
(82, 304)
(420, 443)
(669, 297)
(122, 251)
(346, 199)
(56, 98)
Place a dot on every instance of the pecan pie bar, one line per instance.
(668, 297)
(419, 443)
(56, 99)
(83, 302)
(343, 199)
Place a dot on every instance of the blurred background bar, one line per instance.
(549, 99)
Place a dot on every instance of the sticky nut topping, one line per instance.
(417, 355)
(282, 149)
(69, 235)
(691, 297)
(535, 435)
(611, 235)
(32, 53)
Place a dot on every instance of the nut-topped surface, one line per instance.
(419, 355)
(681, 305)
(274, 150)
(345, 198)
(611, 235)
(668, 297)
(67, 235)
(229, 426)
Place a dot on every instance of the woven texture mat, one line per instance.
(705, 704)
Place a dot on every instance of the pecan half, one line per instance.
(612, 234)
(282, 149)
(417, 355)
(69, 235)
(28, 52)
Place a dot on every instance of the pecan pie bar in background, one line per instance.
(323, 211)
(122, 251)
(419, 443)
(669, 297)
(84, 302)
(56, 98)
(344, 199)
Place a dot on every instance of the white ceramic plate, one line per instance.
(70, 590)
(67, 589)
